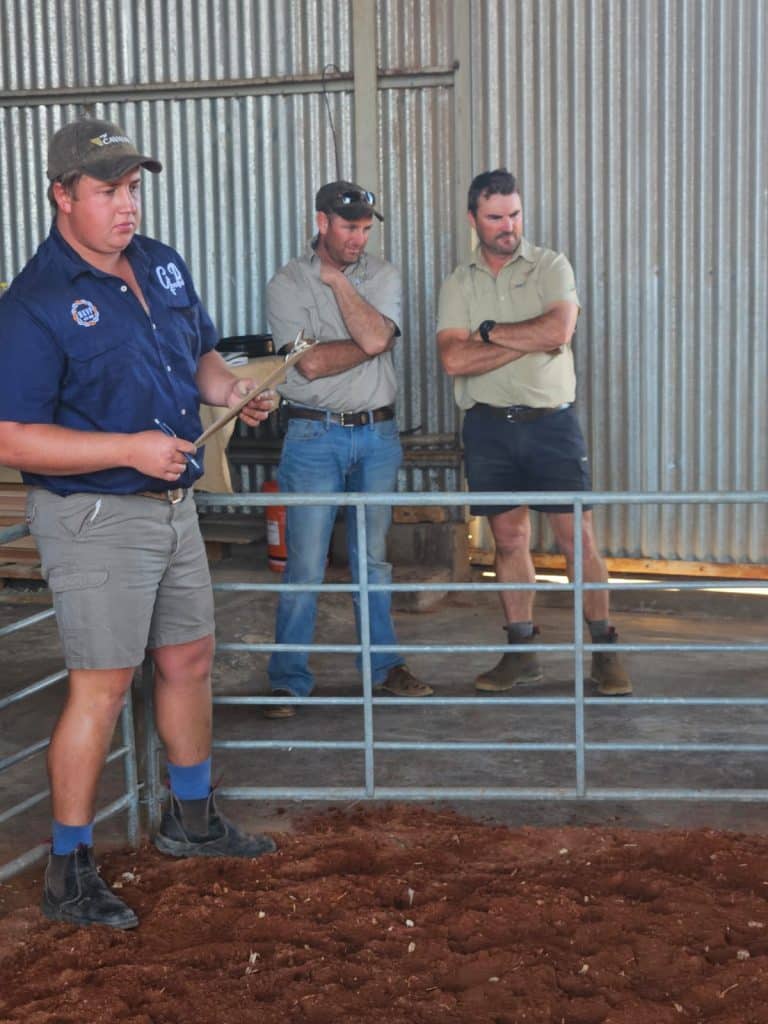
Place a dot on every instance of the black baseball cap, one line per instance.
(99, 149)
(347, 199)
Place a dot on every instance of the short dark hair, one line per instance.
(69, 183)
(490, 183)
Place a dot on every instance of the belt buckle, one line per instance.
(343, 420)
(176, 495)
(513, 413)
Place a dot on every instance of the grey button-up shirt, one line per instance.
(297, 298)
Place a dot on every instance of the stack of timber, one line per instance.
(19, 559)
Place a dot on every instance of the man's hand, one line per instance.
(259, 408)
(155, 454)
(329, 274)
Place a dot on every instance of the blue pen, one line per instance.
(172, 433)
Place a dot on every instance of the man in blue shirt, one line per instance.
(105, 354)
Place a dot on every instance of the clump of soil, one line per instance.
(409, 916)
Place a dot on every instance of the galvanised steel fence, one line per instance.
(127, 801)
(578, 744)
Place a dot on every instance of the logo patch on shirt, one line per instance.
(84, 313)
(170, 277)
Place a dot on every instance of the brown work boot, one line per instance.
(279, 710)
(515, 669)
(608, 672)
(401, 682)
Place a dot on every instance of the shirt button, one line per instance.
(183, 412)
(168, 369)
(123, 287)
(154, 327)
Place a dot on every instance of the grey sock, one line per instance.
(598, 628)
(517, 631)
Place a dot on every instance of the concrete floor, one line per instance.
(664, 616)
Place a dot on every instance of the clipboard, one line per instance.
(277, 376)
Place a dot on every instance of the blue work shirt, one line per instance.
(78, 350)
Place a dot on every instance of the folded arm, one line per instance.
(464, 353)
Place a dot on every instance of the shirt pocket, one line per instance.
(184, 329)
(98, 358)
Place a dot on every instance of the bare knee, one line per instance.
(511, 534)
(98, 692)
(184, 663)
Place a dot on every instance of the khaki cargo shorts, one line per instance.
(127, 573)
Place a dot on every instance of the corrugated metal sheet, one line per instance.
(638, 132)
(61, 44)
(413, 34)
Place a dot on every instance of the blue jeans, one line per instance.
(323, 458)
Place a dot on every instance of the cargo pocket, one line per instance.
(62, 580)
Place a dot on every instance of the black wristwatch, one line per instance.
(485, 329)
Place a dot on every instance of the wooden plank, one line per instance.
(419, 514)
(20, 571)
(22, 550)
(647, 566)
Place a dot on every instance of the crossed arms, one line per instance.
(371, 333)
(464, 353)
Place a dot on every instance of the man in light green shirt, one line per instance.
(505, 323)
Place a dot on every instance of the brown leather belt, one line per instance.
(173, 497)
(522, 413)
(342, 419)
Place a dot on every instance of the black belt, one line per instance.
(173, 497)
(522, 413)
(342, 419)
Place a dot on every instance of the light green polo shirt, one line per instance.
(525, 287)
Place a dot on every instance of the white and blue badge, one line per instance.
(170, 277)
(84, 313)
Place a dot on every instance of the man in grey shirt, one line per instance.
(342, 434)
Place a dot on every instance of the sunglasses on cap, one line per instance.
(355, 195)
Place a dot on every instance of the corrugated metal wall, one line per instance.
(638, 130)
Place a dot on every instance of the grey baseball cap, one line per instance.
(347, 199)
(99, 149)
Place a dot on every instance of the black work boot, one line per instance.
(73, 891)
(515, 669)
(608, 672)
(194, 828)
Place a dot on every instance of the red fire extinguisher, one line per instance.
(275, 519)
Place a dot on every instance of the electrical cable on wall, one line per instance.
(332, 67)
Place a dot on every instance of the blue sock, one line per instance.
(190, 782)
(67, 838)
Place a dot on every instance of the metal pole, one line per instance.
(130, 771)
(152, 746)
(365, 643)
(366, 98)
(578, 642)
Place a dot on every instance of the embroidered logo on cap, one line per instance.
(105, 139)
(84, 313)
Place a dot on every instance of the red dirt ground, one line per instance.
(411, 916)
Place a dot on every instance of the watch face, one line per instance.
(485, 329)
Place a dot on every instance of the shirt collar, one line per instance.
(74, 265)
(525, 251)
